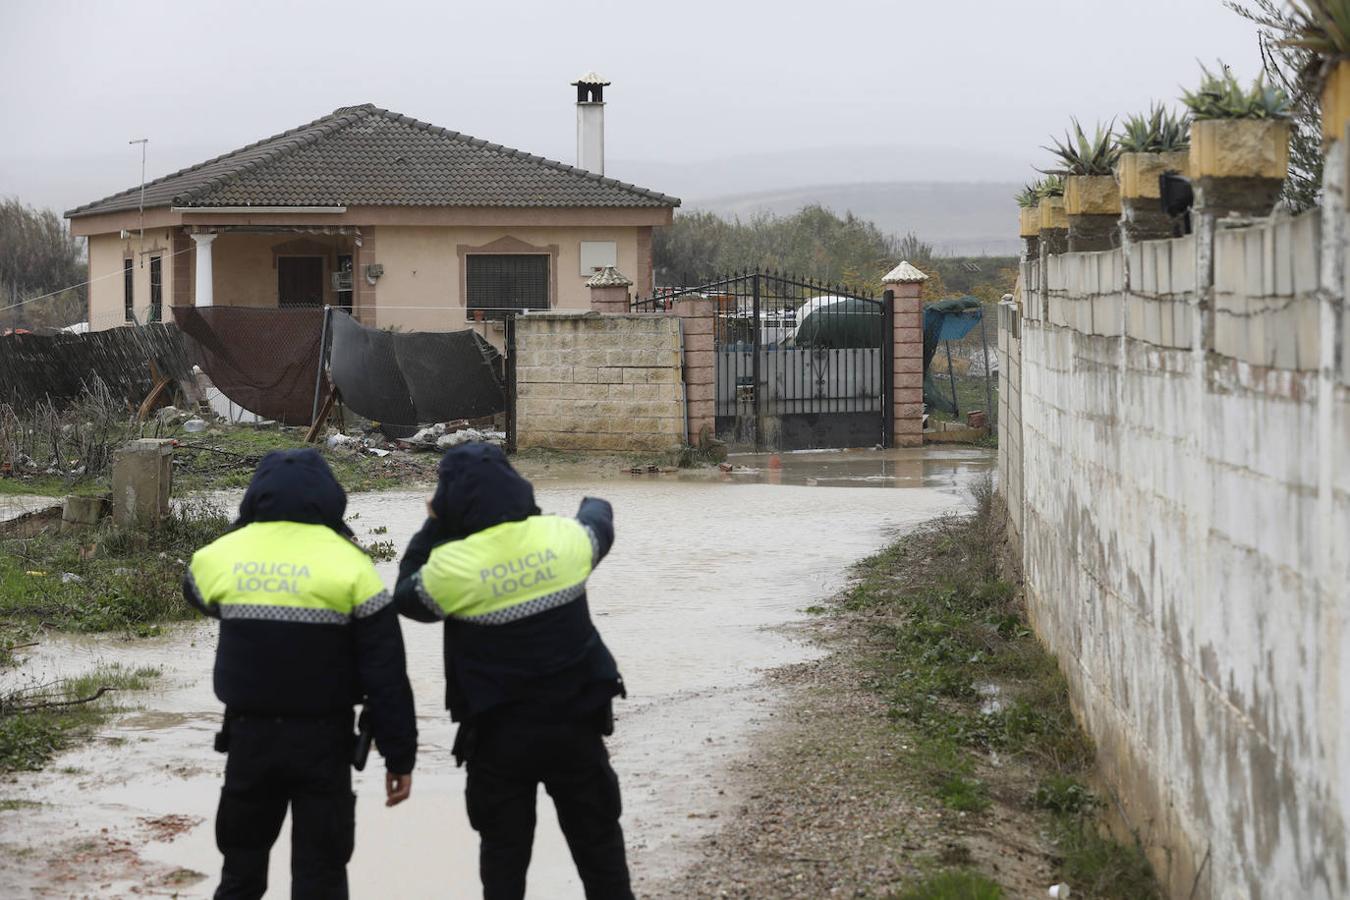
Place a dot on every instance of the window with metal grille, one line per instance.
(499, 283)
(128, 287)
(156, 291)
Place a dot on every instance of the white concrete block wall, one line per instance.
(1183, 514)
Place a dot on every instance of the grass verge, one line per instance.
(39, 722)
(104, 579)
(225, 457)
(969, 685)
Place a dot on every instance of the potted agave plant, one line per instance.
(1029, 218)
(1239, 144)
(1091, 196)
(1054, 236)
(1150, 145)
(1322, 27)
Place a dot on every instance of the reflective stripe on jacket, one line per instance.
(509, 572)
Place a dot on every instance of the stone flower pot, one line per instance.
(1054, 225)
(1092, 203)
(1239, 165)
(1140, 200)
(1029, 228)
(1336, 103)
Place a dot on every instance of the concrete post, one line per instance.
(142, 481)
(907, 284)
(698, 316)
(609, 291)
(83, 512)
(203, 291)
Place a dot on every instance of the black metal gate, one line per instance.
(800, 364)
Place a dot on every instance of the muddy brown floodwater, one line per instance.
(707, 569)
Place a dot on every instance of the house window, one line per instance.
(128, 288)
(299, 281)
(498, 283)
(156, 291)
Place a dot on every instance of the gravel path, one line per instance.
(824, 807)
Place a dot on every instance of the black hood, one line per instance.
(479, 489)
(294, 486)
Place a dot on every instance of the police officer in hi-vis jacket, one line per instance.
(307, 630)
(527, 675)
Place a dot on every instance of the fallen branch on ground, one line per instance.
(51, 704)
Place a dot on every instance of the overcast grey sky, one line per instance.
(897, 91)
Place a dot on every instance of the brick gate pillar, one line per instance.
(609, 291)
(698, 315)
(906, 282)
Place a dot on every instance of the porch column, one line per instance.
(203, 284)
(906, 282)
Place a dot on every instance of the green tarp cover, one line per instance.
(847, 324)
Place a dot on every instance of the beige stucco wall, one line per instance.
(421, 286)
(244, 271)
(591, 382)
(421, 289)
(106, 252)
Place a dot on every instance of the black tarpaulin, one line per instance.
(404, 381)
(265, 360)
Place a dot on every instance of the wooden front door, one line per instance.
(300, 281)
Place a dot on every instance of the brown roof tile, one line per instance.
(366, 156)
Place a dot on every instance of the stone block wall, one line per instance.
(1175, 452)
(1010, 415)
(591, 382)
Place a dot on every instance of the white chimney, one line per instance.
(591, 122)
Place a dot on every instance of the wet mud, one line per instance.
(709, 568)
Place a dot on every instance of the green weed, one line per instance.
(105, 579)
(38, 723)
(957, 884)
(963, 673)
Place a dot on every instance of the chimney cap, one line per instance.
(591, 78)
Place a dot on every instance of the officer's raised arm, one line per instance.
(407, 599)
(598, 518)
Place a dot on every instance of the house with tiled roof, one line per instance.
(406, 224)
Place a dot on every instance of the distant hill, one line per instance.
(960, 199)
(956, 218)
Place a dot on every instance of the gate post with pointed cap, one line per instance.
(907, 333)
(609, 291)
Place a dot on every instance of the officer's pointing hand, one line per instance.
(396, 788)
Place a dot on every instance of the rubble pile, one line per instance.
(440, 436)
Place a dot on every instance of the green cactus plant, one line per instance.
(1083, 155)
(1028, 196)
(1051, 186)
(1321, 27)
(1157, 131)
(1222, 97)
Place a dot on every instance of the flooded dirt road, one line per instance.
(706, 569)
